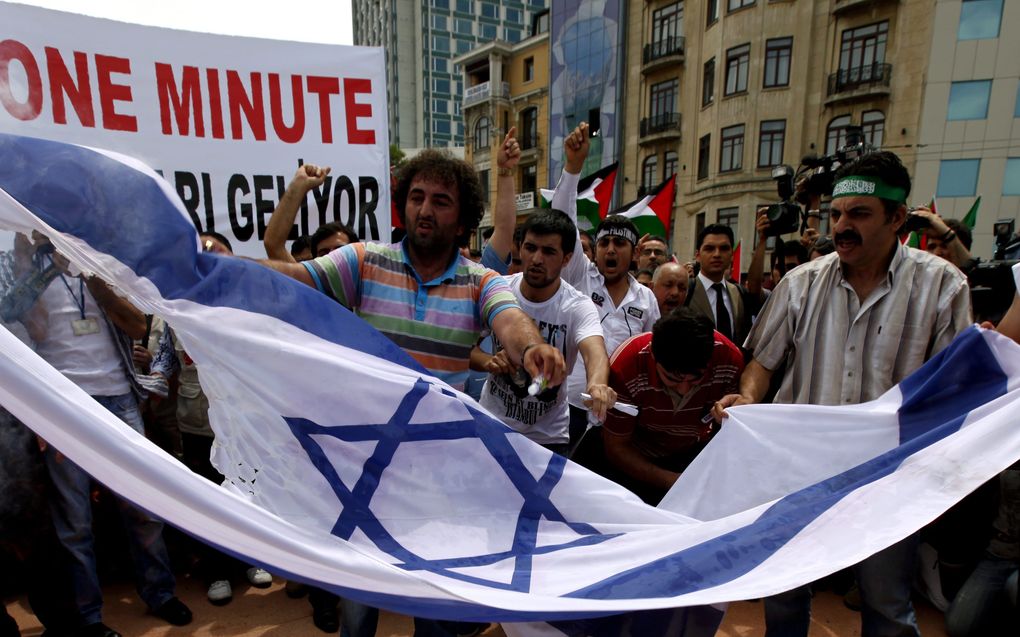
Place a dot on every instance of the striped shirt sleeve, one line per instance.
(338, 274)
(495, 297)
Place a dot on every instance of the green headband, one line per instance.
(858, 186)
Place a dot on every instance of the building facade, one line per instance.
(970, 123)
(507, 85)
(722, 91)
(421, 39)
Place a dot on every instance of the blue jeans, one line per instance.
(359, 620)
(884, 580)
(71, 508)
(984, 602)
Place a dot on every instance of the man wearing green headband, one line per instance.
(850, 326)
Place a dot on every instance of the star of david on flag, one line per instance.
(349, 467)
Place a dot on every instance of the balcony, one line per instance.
(660, 127)
(859, 82)
(663, 53)
(485, 90)
(844, 6)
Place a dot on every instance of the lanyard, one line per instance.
(80, 304)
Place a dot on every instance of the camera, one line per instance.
(819, 171)
(915, 222)
(991, 288)
(1007, 244)
(786, 216)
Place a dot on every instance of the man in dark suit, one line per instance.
(711, 294)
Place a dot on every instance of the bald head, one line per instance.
(669, 283)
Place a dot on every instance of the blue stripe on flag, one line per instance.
(52, 179)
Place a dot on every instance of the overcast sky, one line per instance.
(326, 22)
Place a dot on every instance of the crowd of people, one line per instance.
(606, 348)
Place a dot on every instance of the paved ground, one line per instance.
(270, 613)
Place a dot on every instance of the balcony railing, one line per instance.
(663, 48)
(484, 91)
(858, 77)
(660, 123)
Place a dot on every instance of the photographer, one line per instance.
(787, 255)
(947, 238)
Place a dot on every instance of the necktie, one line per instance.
(722, 317)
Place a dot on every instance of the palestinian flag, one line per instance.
(735, 270)
(970, 219)
(594, 193)
(651, 214)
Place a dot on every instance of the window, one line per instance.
(711, 12)
(529, 129)
(979, 19)
(440, 65)
(731, 148)
(514, 15)
(737, 60)
(529, 69)
(440, 106)
(958, 177)
(440, 85)
(512, 35)
(529, 179)
(733, 5)
(669, 164)
(708, 83)
(465, 6)
(969, 100)
(835, 134)
(777, 62)
(667, 27)
(465, 26)
(490, 10)
(704, 149)
(729, 217)
(483, 178)
(861, 52)
(439, 22)
(540, 23)
(441, 4)
(663, 99)
(441, 126)
(441, 43)
(873, 123)
(770, 142)
(488, 32)
(463, 46)
(649, 169)
(482, 129)
(1011, 178)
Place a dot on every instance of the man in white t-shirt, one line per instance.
(567, 320)
(626, 308)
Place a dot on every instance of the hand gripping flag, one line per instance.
(351, 468)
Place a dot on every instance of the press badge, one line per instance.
(83, 327)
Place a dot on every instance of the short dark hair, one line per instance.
(442, 166)
(883, 164)
(648, 271)
(791, 247)
(656, 237)
(551, 221)
(683, 340)
(715, 228)
(219, 237)
(300, 244)
(617, 221)
(962, 232)
(327, 230)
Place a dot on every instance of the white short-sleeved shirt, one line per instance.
(564, 321)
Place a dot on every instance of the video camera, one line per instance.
(819, 171)
(785, 216)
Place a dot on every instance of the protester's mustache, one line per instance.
(847, 235)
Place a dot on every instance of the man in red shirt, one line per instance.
(673, 375)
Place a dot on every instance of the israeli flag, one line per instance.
(350, 467)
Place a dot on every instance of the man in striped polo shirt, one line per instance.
(422, 294)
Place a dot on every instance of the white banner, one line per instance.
(226, 120)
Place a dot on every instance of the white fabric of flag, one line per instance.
(353, 469)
